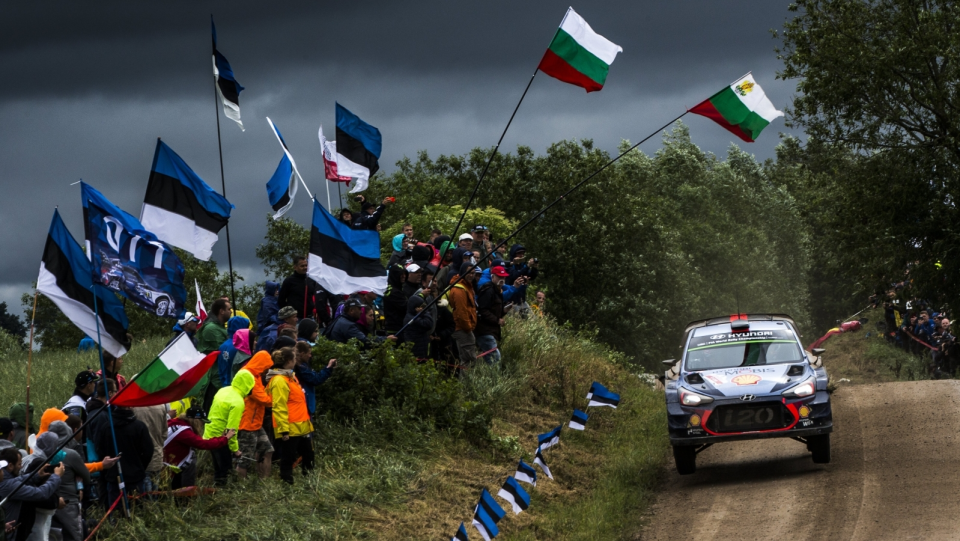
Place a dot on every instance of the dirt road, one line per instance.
(895, 474)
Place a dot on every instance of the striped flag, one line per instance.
(200, 308)
(461, 534)
(180, 208)
(358, 148)
(329, 149)
(539, 461)
(526, 473)
(578, 420)
(344, 260)
(486, 516)
(66, 279)
(171, 376)
(602, 397)
(227, 86)
(548, 440)
(514, 493)
(282, 187)
(742, 108)
(578, 55)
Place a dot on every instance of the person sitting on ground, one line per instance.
(183, 439)
(269, 306)
(226, 414)
(291, 419)
(256, 450)
(186, 325)
(309, 378)
(86, 344)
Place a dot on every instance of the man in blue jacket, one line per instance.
(268, 306)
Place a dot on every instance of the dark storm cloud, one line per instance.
(89, 87)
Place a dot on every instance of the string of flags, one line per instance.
(487, 514)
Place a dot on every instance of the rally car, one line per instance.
(125, 279)
(746, 377)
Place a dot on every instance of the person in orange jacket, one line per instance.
(253, 440)
(291, 418)
(463, 304)
(53, 414)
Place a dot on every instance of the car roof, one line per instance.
(719, 320)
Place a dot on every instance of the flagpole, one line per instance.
(223, 185)
(492, 155)
(576, 187)
(36, 292)
(330, 210)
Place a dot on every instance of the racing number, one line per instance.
(759, 416)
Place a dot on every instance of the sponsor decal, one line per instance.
(746, 379)
(694, 431)
(716, 380)
(806, 422)
(694, 421)
(804, 411)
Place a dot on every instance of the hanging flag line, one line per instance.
(488, 513)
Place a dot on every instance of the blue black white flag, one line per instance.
(486, 516)
(131, 260)
(513, 493)
(283, 186)
(578, 420)
(344, 260)
(593, 386)
(548, 440)
(540, 461)
(358, 149)
(180, 208)
(227, 86)
(461, 534)
(526, 473)
(66, 279)
(602, 397)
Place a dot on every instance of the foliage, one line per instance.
(444, 218)
(10, 345)
(285, 238)
(903, 364)
(11, 324)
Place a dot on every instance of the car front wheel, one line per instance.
(162, 307)
(686, 459)
(820, 447)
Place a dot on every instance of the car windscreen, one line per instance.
(732, 350)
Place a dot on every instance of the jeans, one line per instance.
(485, 343)
(467, 345)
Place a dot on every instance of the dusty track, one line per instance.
(895, 474)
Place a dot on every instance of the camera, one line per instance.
(358, 198)
(536, 261)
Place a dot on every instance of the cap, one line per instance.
(84, 378)
(3, 464)
(479, 228)
(499, 271)
(413, 267)
(466, 236)
(286, 311)
(352, 303)
(187, 318)
(196, 412)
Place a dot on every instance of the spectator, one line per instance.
(463, 252)
(255, 447)
(490, 312)
(186, 325)
(445, 270)
(518, 268)
(155, 419)
(434, 235)
(479, 233)
(325, 303)
(463, 304)
(297, 290)
(75, 479)
(539, 306)
(113, 366)
(370, 214)
(288, 316)
(183, 439)
(394, 300)
(225, 415)
(237, 313)
(308, 331)
(268, 306)
(291, 420)
(209, 339)
(10, 463)
(346, 328)
(18, 414)
(418, 328)
(135, 448)
(412, 284)
(400, 252)
(309, 378)
(86, 344)
(6, 434)
(407, 230)
(83, 386)
(346, 217)
(235, 350)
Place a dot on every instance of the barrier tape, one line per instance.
(921, 341)
(112, 507)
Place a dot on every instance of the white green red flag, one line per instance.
(172, 376)
(742, 108)
(578, 55)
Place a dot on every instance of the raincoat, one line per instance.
(290, 414)
(227, 409)
(258, 399)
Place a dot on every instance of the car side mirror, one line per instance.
(817, 351)
(669, 362)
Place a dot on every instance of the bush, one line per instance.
(903, 364)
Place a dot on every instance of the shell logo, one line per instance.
(694, 420)
(804, 411)
(746, 379)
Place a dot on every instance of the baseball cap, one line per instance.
(499, 271)
(196, 412)
(352, 303)
(187, 318)
(479, 228)
(85, 377)
(466, 236)
(413, 267)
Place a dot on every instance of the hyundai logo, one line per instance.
(748, 397)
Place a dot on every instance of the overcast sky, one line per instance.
(88, 87)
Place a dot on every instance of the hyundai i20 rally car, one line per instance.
(746, 377)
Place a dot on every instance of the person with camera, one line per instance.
(524, 272)
(370, 214)
(19, 509)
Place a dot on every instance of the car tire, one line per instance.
(685, 458)
(114, 284)
(161, 309)
(820, 447)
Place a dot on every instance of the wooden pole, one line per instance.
(30, 359)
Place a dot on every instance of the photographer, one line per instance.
(369, 216)
(527, 271)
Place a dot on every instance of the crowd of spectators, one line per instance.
(917, 326)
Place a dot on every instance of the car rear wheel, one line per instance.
(820, 447)
(686, 459)
(162, 307)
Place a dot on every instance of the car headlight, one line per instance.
(805, 388)
(688, 398)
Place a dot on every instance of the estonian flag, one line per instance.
(227, 86)
(344, 260)
(66, 279)
(179, 208)
(486, 516)
(283, 186)
(358, 149)
(526, 473)
(578, 420)
(513, 493)
(461, 534)
(539, 461)
(548, 440)
(594, 386)
(600, 396)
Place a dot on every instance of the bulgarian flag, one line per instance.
(742, 108)
(172, 376)
(578, 55)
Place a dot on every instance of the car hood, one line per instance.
(756, 380)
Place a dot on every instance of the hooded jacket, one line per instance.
(418, 328)
(182, 440)
(227, 409)
(344, 329)
(463, 304)
(133, 441)
(290, 414)
(305, 330)
(49, 416)
(255, 404)
(489, 308)
(26, 493)
(394, 301)
(234, 351)
(268, 306)
(399, 254)
(210, 335)
(297, 291)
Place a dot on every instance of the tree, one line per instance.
(444, 218)
(285, 238)
(11, 323)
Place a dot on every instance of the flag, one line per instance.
(548, 440)
(578, 420)
(227, 86)
(358, 148)
(593, 386)
(539, 461)
(344, 260)
(513, 493)
(461, 534)
(66, 279)
(526, 473)
(179, 206)
(603, 397)
(201, 310)
(171, 376)
(329, 149)
(130, 260)
(742, 108)
(283, 186)
(578, 55)
(486, 516)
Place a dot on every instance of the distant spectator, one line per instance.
(370, 214)
(298, 289)
(86, 344)
(186, 325)
(83, 387)
(184, 437)
(309, 378)
(291, 420)
(490, 313)
(394, 300)
(268, 306)
(463, 304)
(113, 365)
(18, 414)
